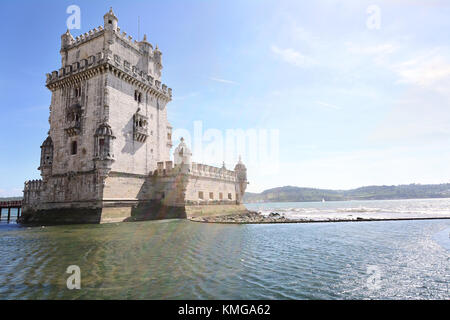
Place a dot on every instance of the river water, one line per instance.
(179, 259)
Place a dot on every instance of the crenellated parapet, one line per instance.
(87, 68)
(32, 191)
(85, 37)
(203, 170)
(33, 185)
(168, 168)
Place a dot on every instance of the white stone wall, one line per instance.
(134, 156)
(92, 113)
(129, 50)
(207, 185)
(125, 188)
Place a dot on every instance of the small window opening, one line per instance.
(74, 147)
(211, 195)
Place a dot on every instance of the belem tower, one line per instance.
(107, 154)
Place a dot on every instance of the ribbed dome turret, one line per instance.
(240, 166)
(47, 142)
(104, 130)
(182, 154)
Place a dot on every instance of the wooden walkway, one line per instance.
(13, 204)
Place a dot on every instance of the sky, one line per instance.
(340, 94)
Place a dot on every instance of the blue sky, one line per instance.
(352, 105)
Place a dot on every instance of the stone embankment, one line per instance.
(248, 217)
(252, 217)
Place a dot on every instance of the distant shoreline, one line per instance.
(399, 192)
(344, 200)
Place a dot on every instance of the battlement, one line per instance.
(167, 168)
(33, 185)
(203, 170)
(110, 54)
(32, 192)
(85, 37)
(117, 62)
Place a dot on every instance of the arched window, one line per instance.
(74, 147)
(103, 142)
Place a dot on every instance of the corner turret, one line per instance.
(241, 175)
(110, 21)
(66, 39)
(145, 46)
(182, 154)
(46, 158)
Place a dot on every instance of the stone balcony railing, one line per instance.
(140, 133)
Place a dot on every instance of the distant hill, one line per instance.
(10, 198)
(297, 194)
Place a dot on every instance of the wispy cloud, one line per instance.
(328, 105)
(222, 80)
(293, 57)
(429, 70)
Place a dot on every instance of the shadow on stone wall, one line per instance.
(131, 146)
(61, 216)
(154, 210)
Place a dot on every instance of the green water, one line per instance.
(179, 259)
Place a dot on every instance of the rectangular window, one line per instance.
(101, 146)
(200, 194)
(220, 196)
(74, 147)
(211, 195)
(229, 196)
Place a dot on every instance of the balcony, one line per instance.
(73, 128)
(140, 133)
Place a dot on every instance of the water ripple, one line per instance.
(186, 260)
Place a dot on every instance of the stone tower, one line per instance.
(108, 148)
